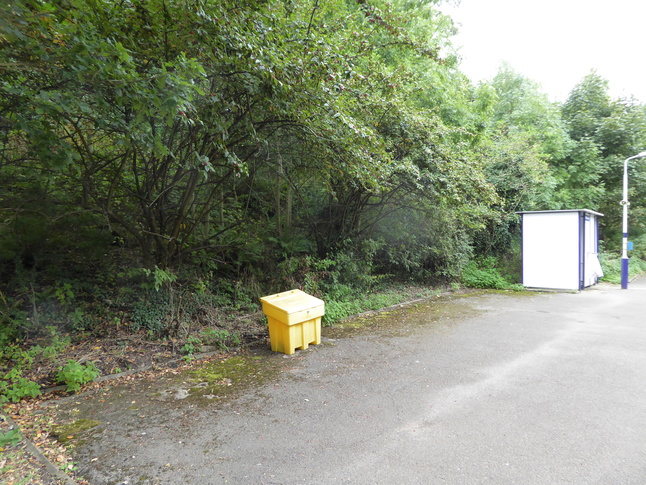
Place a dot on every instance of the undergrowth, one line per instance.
(16, 361)
(484, 273)
(337, 309)
(611, 266)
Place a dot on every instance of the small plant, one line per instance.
(24, 358)
(191, 346)
(78, 320)
(14, 387)
(57, 345)
(160, 278)
(74, 374)
(64, 294)
(11, 437)
(18, 357)
(221, 338)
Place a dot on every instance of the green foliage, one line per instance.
(351, 305)
(160, 278)
(221, 338)
(425, 243)
(151, 314)
(483, 273)
(611, 266)
(179, 163)
(524, 110)
(14, 387)
(21, 358)
(14, 318)
(18, 357)
(606, 132)
(639, 247)
(74, 374)
(10, 438)
(232, 295)
(64, 293)
(579, 177)
(510, 263)
(193, 344)
(18, 360)
(587, 105)
(57, 344)
(346, 306)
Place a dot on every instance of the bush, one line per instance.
(75, 374)
(422, 244)
(483, 273)
(193, 344)
(348, 271)
(151, 314)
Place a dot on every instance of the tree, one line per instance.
(522, 133)
(606, 132)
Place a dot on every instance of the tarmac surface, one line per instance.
(490, 388)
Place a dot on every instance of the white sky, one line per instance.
(555, 42)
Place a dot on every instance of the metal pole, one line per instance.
(625, 204)
(624, 244)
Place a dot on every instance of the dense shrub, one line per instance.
(483, 273)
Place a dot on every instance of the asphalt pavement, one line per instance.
(492, 388)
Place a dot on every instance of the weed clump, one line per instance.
(484, 274)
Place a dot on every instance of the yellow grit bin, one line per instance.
(294, 319)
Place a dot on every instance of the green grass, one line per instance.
(341, 308)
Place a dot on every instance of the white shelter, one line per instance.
(560, 249)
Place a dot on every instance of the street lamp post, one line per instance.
(625, 204)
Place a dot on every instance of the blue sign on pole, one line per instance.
(630, 246)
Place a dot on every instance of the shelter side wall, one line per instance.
(551, 250)
(592, 265)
